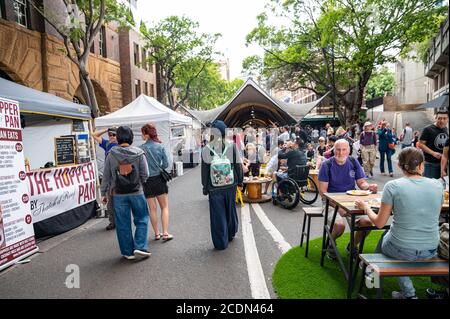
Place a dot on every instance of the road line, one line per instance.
(282, 244)
(258, 284)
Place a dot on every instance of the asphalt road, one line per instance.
(186, 267)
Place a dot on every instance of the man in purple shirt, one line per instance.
(338, 175)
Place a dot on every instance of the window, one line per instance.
(144, 59)
(442, 81)
(136, 54)
(152, 90)
(2, 9)
(137, 87)
(20, 12)
(76, 100)
(145, 88)
(102, 42)
(436, 83)
(149, 66)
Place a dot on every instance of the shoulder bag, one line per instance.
(166, 176)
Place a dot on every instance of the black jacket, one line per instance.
(236, 162)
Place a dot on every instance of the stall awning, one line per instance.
(37, 102)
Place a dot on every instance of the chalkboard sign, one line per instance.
(65, 150)
(78, 126)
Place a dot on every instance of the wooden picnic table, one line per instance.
(347, 203)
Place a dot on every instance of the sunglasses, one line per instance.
(112, 135)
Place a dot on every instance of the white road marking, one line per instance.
(258, 284)
(282, 244)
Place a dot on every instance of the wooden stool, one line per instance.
(309, 213)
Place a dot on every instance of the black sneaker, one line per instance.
(110, 227)
(355, 250)
(331, 254)
(433, 294)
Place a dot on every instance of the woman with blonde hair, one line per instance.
(155, 189)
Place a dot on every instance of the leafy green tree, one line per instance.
(381, 83)
(334, 45)
(208, 90)
(78, 25)
(178, 50)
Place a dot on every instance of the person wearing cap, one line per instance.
(368, 145)
(107, 145)
(222, 199)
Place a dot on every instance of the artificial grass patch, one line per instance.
(297, 277)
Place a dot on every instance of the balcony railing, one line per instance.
(438, 51)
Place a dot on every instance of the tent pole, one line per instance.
(97, 179)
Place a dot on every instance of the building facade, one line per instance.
(436, 66)
(138, 76)
(33, 54)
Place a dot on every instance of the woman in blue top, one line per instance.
(415, 203)
(156, 186)
(384, 138)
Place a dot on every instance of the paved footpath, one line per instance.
(186, 267)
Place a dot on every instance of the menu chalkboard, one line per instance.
(78, 126)
(65, 150)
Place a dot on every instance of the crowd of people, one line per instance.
(133, 182)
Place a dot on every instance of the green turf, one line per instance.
(297, 277)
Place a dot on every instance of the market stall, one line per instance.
(174, 129)
(59, 165)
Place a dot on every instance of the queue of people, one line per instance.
(131, 186)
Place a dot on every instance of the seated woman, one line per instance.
(251, 161)
(415, 203)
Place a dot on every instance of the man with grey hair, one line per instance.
(338, 175)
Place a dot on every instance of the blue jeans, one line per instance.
(432, 170)
(388, 155)
(281, 176)
(391, 250)
(124, 205)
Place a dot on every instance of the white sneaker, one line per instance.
(399, 295)
(142, 253)
(129, 257)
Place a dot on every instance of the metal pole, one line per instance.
(333, 82)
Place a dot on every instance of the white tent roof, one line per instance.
(142, 110)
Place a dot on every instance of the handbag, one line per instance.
(391, 146)
(165, 176)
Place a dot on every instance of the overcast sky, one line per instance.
(234, 19)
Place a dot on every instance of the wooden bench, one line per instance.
(384, 266)
(310, 212)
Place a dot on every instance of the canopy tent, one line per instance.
(440, 102)
(37, 102)
(45, 116)
(145, 110)
(252, 105)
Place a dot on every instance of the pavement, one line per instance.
(186, 267)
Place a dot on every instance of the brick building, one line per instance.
(32, 54)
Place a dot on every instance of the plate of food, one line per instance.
(358, 192)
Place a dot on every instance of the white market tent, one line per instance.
(145, 110)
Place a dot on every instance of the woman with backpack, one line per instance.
(221, 174)
(155, 188)
(125, 172)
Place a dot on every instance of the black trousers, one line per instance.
(224, 221)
